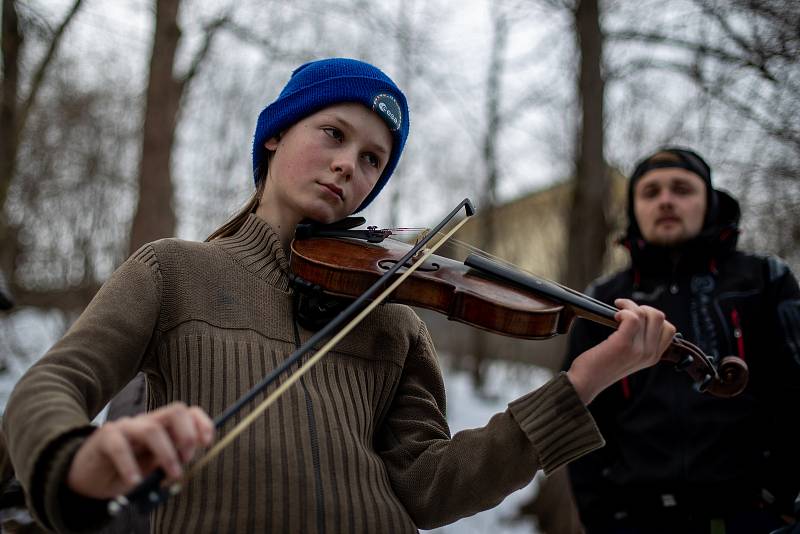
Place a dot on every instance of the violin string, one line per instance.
(407, 230)
(473, 249)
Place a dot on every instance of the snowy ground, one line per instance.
(468, 409)
(24, 332)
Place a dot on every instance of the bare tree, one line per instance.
(155, 215)
(405, 58)
(588, 226)
(741, 58)
(15, 110)
(488, 194)
(753, 41)
(554, 506)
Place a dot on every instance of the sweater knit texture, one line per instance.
(359, 444)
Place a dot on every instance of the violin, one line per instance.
(480, 292)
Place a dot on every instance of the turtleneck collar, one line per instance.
(257, 247)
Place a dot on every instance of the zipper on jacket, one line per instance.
(312, 429)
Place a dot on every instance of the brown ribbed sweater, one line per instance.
(360, 444)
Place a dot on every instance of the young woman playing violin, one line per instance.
(361, 442)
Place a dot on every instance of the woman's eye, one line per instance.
(372, 159)
(335, 133)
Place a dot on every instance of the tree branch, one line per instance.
(210, 31)
(703, 49)
(753, 50)
(72, 299)
(38, 76)
(764, 122)
(638, 66)
(248, 36)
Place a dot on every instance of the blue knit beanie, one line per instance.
(325, 82)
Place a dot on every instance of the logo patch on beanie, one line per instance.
(387, 107)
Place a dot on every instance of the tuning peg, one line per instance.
(685, 363)
(703, 385)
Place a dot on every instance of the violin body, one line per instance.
(347, 267)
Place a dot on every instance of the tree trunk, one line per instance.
(488, 197)
(11, 44)
(405, 39)
(155, 215)
(588, 224)
(14, 112)
(588, 231)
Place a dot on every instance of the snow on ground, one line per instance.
(24, 332)
(467, 408)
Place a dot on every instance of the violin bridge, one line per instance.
(421, 252)
(421, 235)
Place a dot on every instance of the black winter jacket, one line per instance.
(669, 446)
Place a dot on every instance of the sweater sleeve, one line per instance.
(440, 478)
(589, 473)
(49, 412)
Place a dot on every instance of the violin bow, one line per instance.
(150, 493)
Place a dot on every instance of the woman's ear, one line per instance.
(271, 144)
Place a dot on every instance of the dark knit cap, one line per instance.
(666, 158)
(322, 83)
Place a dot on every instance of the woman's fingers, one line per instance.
(655, 328)
(151, 437)
(179, 422)
(659, 332)
(667, 335)
(647, 324)
(118, 454)
(117, 449)
(189, 427)
(106, 464)
(203, 424)
(641, 338)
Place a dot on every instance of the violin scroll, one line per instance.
(733, 376)
(727, 380)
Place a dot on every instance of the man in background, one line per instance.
(677, 460)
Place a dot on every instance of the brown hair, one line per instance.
(234, 223)
(663, 157)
